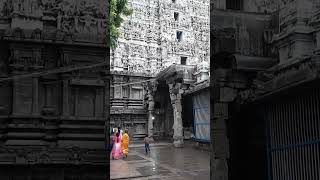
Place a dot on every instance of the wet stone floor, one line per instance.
(164, 162)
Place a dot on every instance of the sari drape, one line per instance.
(116, 149)
(125, 144)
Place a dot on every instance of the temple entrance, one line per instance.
(177, 112)
(163, 113)
(171, 111)
(279, 134)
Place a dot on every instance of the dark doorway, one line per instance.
(234, 4)
(164, 113)
(183, 60)
(179, 36)
(176, 16)
(187, 117)
(248, 152)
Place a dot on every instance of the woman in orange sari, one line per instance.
(125, 143)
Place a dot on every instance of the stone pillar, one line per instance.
(97, 102)
(220, 141)
(14, 97)
(47, 97)
(106, 105)
(22, 95)
(76, 103)
(35, 94)
(175, 96)
(150, 113)
(65, 100)
(222, 97)
(152, 87)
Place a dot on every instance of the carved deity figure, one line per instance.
(88, 21)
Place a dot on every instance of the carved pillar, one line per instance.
(106, 110)
(14, 96)
(222, 97)
(150, 113)
(47, 97)
(175, 96)
(107, 97)
(76, 103)
(35, 96)
(97, 102)
(152, 87)
(65, 100)
(22, 95)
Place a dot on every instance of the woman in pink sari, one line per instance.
(116, 149)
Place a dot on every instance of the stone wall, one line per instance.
(295, 39)
(128, 105)
(291, 40)
(56, 113)
(243, 33)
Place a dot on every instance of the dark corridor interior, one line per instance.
(187, 111)
(163, 113)
(248, 152)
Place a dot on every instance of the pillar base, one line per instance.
(178, 142)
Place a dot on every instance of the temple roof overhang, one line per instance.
(205, 85)
(282, 78)
(177, 72)
(240, 62)
(253, 63)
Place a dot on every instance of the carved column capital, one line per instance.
(151, 87)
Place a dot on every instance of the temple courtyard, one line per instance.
(164, 162)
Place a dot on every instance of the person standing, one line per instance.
(147, 141)
(111, 141)
(125, 143)
(116, 150)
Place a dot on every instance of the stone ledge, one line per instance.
(33, 155)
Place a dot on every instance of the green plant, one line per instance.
(118, 8)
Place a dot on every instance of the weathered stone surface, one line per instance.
(175, 98)
(149, 44)
(257, 38)
(52, 119)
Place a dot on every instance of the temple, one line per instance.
(160, 71)
(54, 90)
(264, 89)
